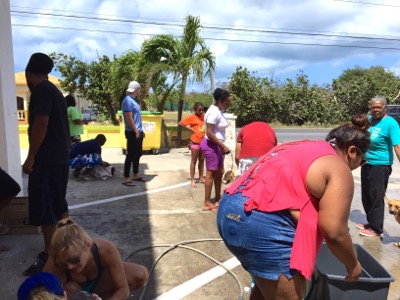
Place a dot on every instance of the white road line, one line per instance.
(193, 284)
(127, 196)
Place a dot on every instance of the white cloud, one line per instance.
(272, 56)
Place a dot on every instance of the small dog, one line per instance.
(229, 176)
(394, 209)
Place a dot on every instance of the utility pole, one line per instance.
(212, 81)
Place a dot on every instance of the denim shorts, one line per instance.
(261, 241)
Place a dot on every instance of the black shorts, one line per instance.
(47, 188)
(8, 186)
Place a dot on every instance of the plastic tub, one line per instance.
(329, 278)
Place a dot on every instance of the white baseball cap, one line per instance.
(133, 85)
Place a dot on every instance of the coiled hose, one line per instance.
(182, 245)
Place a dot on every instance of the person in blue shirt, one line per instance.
(133, 132)
(85, 156)
(385, 136)
(88, 147)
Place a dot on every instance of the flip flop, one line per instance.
(128, 183)
(211, 208)
(139, 179)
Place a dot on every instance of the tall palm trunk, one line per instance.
(180, 109)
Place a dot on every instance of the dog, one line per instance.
(229, 176)
(394, 209)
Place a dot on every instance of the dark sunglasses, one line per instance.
(363, 159)
(74, 260)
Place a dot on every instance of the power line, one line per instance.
(213, 27)
(368, 3)
(99, 19)
(78, 12)
(216, 39)
(243, 27)
(315, 38)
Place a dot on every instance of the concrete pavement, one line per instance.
(166, 210)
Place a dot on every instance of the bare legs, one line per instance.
(201, 167)
(281, 289)
(196, 154)
(216, 178)
(136, 275)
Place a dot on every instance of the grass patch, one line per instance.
(171, 117)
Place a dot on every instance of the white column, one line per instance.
(10, 157)
(230, 141)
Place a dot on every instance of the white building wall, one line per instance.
(10, 157)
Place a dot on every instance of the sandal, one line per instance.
(139, 179)
(209, 208)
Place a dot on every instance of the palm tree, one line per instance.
(133, 66)
(123, 72)
(186, 58)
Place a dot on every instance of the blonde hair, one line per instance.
(69, 236)
(42, 293)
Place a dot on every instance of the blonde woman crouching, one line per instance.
(92, 265)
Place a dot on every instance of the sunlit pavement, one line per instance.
(166, 210)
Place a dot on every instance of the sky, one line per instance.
(275, 38)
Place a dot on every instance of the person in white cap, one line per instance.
(133, 132)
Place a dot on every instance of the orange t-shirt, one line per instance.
(197, 124)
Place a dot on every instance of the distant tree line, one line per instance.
(297, 102)
(165, 64)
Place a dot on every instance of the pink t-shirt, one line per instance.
(279, 183)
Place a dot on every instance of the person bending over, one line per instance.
(274, 217)
(85, 158)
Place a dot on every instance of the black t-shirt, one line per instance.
(47, 100)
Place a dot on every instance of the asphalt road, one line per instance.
(292, 134)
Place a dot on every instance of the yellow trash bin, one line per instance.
(152, 125)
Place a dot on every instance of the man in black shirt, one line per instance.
(47, 161)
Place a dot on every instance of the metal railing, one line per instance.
(22, 117)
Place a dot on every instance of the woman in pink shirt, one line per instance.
(274, 217)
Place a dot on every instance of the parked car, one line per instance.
(89, 114)
(393, 110)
